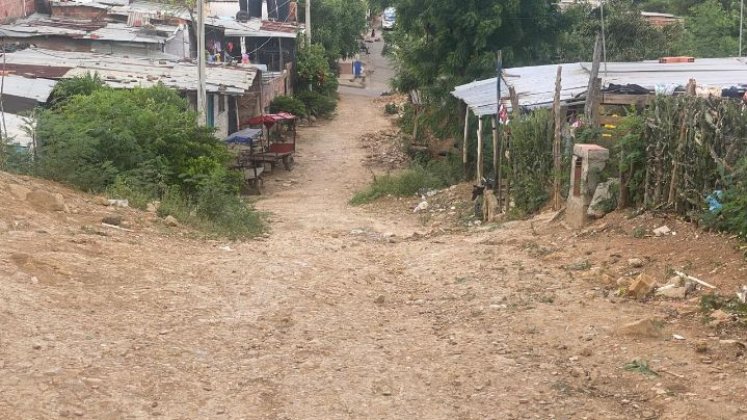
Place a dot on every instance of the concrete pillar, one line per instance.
(587, 162)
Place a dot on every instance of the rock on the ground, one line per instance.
(678, 292)
(18, 191)
(171, 221)
(113, 219)
(662, 231)
(647, 327)
(420, 207)
(44, 200)
(636, 262)
(641, 286)
(152, 207)
(718, 317)
(119, 202)
(604, 199)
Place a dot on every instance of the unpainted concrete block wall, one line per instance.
(11, 10)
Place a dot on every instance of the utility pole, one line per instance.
(741, 27)
(604, 38)
(497, 139)
(308, 22)
(201, 98)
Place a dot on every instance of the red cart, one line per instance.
(276, 147)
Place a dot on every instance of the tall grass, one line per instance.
(433, 174)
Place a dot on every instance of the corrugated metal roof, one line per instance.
(535, 85)
(94, 3)
(119, 32)
(116, 32)
(16, 134)
(253, 28)
(154, 10)
(128, 72)
(28, 30)
(36, 89)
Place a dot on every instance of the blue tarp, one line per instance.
(245, 136)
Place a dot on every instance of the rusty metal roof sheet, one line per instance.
(128, 72)
(115, 32)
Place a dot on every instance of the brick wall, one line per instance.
(93, 14)
(11, 10)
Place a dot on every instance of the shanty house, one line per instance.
(225, 84)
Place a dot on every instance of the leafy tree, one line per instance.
(440, 43)
(337, 26)
(78, 86)
(628, 36)
(313, 70)
(288, 104)
(712, 29)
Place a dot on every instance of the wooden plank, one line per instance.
(610, 120)
(556, 140)
(594, 74)
(464, 142)
(495, 146)
(626, 99)
(479, 150)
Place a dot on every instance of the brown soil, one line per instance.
(345, 312)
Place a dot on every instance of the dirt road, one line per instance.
(340, 314)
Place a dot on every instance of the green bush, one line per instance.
(90, 140)
(142, 145)
(391, 108)
(317, 104)
(313, 71)
(430, 175)
(732, 217)
(214, 211)
(288, 104)
(531, 160)
(78, 86)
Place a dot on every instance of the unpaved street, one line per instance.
(341, 313)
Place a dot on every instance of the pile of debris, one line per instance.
(384, 149)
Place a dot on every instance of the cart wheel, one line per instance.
(253, 186)
(288, 163)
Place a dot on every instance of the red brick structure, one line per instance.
(78, 12)
(11, 10)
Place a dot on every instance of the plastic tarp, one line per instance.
(245, 136)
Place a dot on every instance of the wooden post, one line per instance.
(495, 146)
(591, 92)
(498, 166)
(479, 150)
(514, 100)
(415, 125)
(672, 199)
(556, 141)
(465, 141)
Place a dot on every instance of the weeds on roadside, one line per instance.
(640, 366)
(433, 174)
(732, 305)
(214, 213)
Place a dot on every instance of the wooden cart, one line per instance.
(245, 144)
(277, 147)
